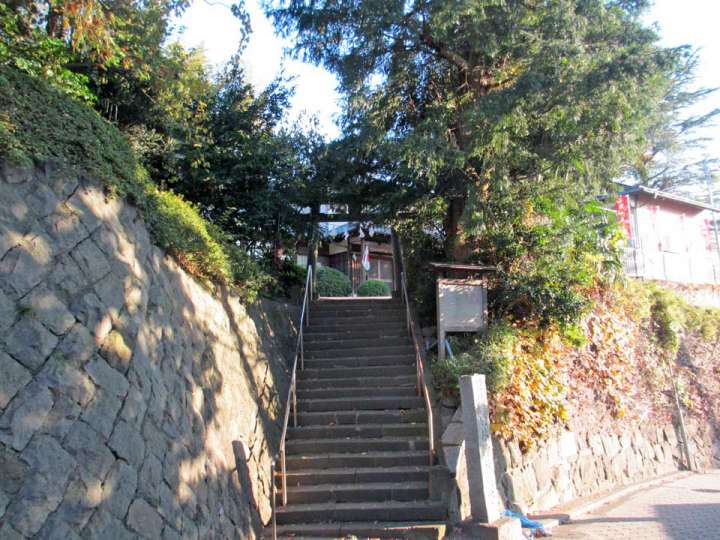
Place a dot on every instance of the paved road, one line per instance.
(686, 509)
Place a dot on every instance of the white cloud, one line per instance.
(214, 28)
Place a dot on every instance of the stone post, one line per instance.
(484, 498)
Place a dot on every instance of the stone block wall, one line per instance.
(572, 464)
(125, 385)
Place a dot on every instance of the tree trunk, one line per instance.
(54, 26)
(278, 248)
(455, 248)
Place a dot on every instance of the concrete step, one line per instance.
(312, 344)
(331, 418)
(360, 403)
(367, 431)
(356, 372)
(419, 530)
(358, 492)
(364, 460)
(349, 475)
(361, 391)
(365, 382)
(360, 361)
(309, 447)
(367, 511)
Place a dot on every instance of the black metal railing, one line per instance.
(422, 388)
(279, 461)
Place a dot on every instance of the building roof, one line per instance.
(656, 193)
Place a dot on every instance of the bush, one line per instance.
(38, 123)
(286, 280)
(374, 287)
(491, 355)
(178, 228)
(331, 282)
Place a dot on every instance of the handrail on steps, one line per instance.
(422, 388)
(290, 403)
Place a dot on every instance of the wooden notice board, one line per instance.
(461, 307)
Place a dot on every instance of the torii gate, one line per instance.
(352, 215)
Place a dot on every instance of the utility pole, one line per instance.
(709, 182)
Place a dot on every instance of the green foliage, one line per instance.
(179, 229)
(672, 317)
(288, 278)
(374, 287)
(499, 123)
(34, 52)
(331, 282)
(40, 124)
(490, 354)
(43, 124)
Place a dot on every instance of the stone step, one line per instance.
(361, 475)
(357, 307)
(407, 429)
(358, 492)
(367, 350)
(356, 318)
(342, 328)
(366, 381)
(420, 530)
(356, 372)
(364, 460)
(360, 391)
(366, 511)
(329, 418)
(360, 361)
(357, 445)
(356, 304)
(322, 334)
(356, 343)
(360, 403)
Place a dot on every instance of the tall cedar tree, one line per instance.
(490, 105)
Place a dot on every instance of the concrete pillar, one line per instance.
(484, 498)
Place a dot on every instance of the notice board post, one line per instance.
(461, 299)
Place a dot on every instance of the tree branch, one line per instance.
(443, 52)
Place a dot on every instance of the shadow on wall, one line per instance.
(125, 383)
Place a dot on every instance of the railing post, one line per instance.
(302, 350)
(418, 374)
(308, 296)
(273, 491)
(294, 402)
(283, 476)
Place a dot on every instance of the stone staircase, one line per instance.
(357, 464)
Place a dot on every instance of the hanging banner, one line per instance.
(622, 210)
(366, 257)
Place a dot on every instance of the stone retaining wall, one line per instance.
(572, 465)
(125, 384)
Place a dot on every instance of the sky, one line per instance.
(212, 26)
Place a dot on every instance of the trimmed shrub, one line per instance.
(374, 287)
(331, 282)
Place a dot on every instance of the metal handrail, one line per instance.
(291, 402)
(422, 388)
